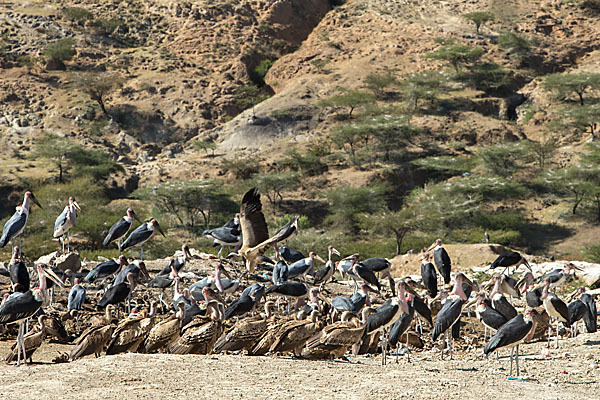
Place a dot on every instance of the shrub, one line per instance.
(106, 26)
(61, 50)
(261, 70)
(457, 55)
(504, 159)
(347, 203)
(479, 18)
(77, 14)
(241, 167)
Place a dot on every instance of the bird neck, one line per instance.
(127, 219)
(26, 205)
(497, 288)
(458, 291)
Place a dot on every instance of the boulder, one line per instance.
(67, 261)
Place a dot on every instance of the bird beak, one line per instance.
(334, 251)
(136, 217)
(35, 201)
(225, 272)
(577, 268)
(410, 290)
(468, 281)
(53, 277)
(76, 206)
(431, 247)
(319, 258)
(160, 229)
(488, 284)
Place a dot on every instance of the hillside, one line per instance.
(246, 90)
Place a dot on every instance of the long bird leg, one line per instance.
(407, 350)
(557, 333)
(19, 343)
(485, 333)
(62, 240)
(471, 319)
(142, 253)
(69, 242)
(19, 246)
(517, 359)
(512, 350)
(451, 346)
(220, 251)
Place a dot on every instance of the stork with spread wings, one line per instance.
(255, 234)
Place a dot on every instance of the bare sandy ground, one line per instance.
(572, 372)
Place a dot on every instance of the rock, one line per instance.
(48, 259)
(67, 261)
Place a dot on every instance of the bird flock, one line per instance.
(256, 305)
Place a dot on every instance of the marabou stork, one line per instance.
(280, 272)
(387, 314)
(224, 236)
(141, 235)
(324, 274)
(352, 304)
(400, 327)
(290, 255)
(105, 269)
(304, 266)
(429, 276)
(555, 307)
(241, 306)
(512, 259)
(178, 262)
(19, 275)
(120, 228)
(499, 301)
(381, 266)
(290, 290)
(519, 329)
(65, 221)
(451, 309)
(76, 299)
(442, 260)
(559, 276)
(488, 316)
(20, 306)
(15, 225)
(118, 293)
(533, 294)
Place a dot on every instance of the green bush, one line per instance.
(347, 203)
(106, 26)
(77, 14)
(61, 50)
(479, 18)
(308, 163)
(261, 70)
(592, 253)
(241, 167)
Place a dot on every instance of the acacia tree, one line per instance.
(348, 203)
(479, 18)
(457, 55)
(273, 184)
(98, 85)
(58, 150)
(564, 85)
(399, 223)
(503, 159)
(349, 99)
(425, 85)
(188, 201)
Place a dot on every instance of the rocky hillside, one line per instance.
(206, 81)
